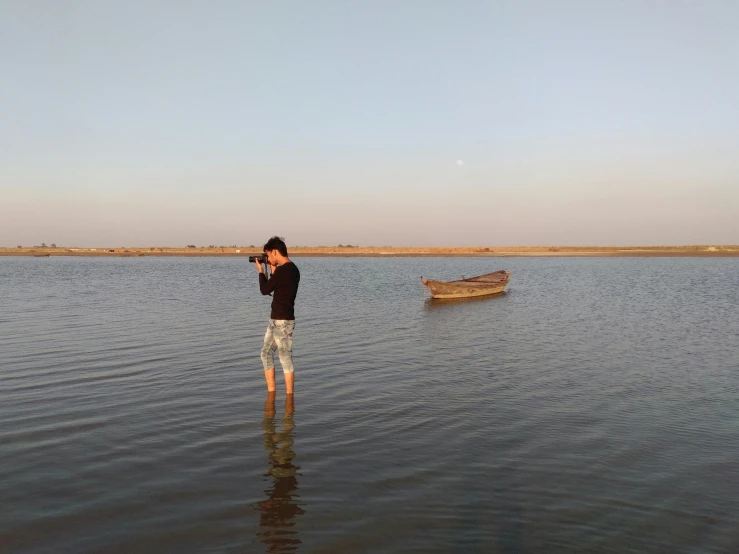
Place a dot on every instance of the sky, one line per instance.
(384, 123)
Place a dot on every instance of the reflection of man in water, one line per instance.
(278, 512)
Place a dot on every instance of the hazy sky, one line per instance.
(369, 122)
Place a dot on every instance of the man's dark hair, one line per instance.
(276, 243)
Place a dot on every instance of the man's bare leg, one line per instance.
(289, 404)
(269, 376)
(289, 381)
(269, 404)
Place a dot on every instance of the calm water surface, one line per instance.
(592, 408)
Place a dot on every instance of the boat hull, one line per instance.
(439, 289)
(482, 285)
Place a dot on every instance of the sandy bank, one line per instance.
(387, 251)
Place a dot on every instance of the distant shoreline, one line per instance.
(390, 252)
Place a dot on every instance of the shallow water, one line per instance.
(594, 407)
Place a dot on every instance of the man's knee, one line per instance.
(267, 355)
(286, 359)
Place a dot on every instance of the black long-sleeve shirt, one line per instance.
(284, 283)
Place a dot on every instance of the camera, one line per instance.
(262, 259)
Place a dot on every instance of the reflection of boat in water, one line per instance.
(441, 303)
(482, 285)
(279, 510)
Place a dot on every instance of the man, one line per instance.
(279, 336)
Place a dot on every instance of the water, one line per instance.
(592, 408)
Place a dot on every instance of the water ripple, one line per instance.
(591, 408)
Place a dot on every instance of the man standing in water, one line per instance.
(279, 336)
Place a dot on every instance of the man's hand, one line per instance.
(272, 268)
(260, 269)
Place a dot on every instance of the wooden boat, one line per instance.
(482, 285)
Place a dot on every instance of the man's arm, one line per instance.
(266, 286)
